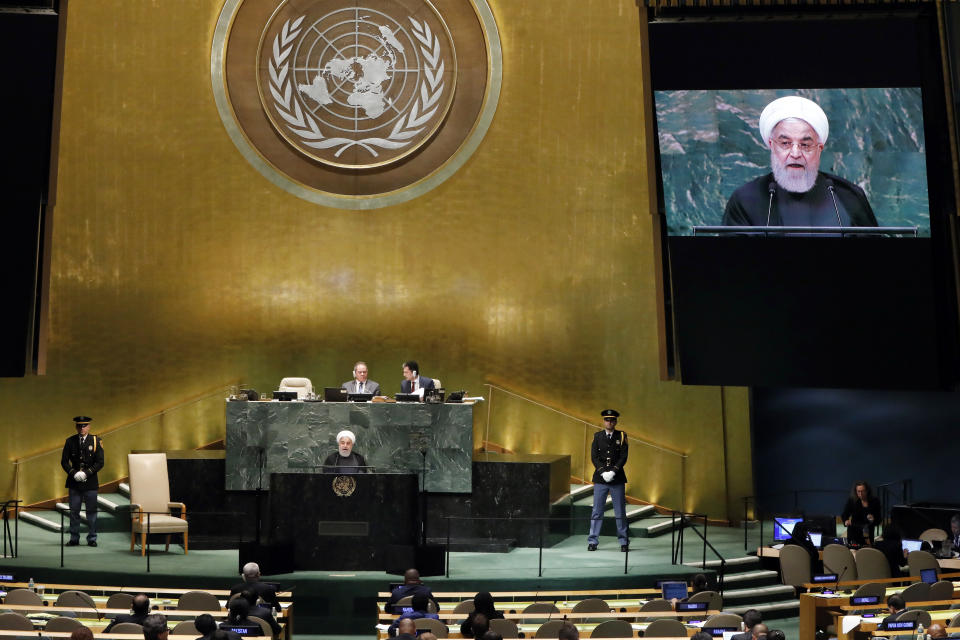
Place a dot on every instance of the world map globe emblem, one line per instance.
(354, 85)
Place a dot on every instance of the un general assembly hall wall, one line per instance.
(177, 270)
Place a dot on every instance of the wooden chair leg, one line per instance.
(186, 549)
(143, 543)
(167, 548)
(133, 537)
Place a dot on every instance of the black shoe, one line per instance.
(591, 547)
(624, 547)
(73, 543)
(92, 543)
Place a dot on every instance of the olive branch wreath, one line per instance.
(305, 126)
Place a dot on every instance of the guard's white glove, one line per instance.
(80, 476)
(607, 476)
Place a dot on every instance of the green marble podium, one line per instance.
(296, 437)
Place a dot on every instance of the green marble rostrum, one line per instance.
(296, 437)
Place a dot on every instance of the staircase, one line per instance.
(642, 521)
(746, 585)
(113, 513)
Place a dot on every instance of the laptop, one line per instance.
(910, 545)
(783, 527)
(284, 396)
(817, 539)
(673, 589)
(928, 575)
(335, 394)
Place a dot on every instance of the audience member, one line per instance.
(155, 627)
(776, 634)
(481, 624)
(936, 631)
(419, 606)
(412, 585)
(568, 631)
(861, 514)
(207, 627)
(895, 605)
(238, 619)
(892, 549)
(491, 635)
(482, 604)
(252, 582)
(759, 631)
(141, 608)
(83, 633)
(750, 618)
(407, 629)
(699, 583)
(955, 531)
(264, 613)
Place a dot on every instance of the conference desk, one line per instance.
(296, 437)
(819, 611)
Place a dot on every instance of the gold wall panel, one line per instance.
(176, 268)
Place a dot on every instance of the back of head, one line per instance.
(407, 626)
(83, 633)
(239, 610)
(219, 634)
(759, 630)
(699, 582)
(251, 572)
(141, 604)
(751, 617)
(411, 576)
(481, 624)
(776, 634)
(891, 532)
(427, 635)
(896, 601)
(568, 631)
(205, 623)
(419, 602)
(483, 602)
(249, 596)
(154, 625)
(492, 635)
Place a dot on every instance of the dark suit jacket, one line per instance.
(405, 590)
(263, 590)
(249, 628)
(89, 460)
(609, 454)
(424, 382)
(370, 386)
(126, 617)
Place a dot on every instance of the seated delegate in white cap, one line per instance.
(796, 192)
(345, 459)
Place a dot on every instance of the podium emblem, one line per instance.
(344, 486)
(356, 103)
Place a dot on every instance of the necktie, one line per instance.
(413, 386)
(361, 388)
(81, 441)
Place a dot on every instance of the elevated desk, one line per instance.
(296, 437)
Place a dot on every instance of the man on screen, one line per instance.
(796, 192)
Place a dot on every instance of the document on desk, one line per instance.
(849, 623)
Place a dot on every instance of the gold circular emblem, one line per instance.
(344, 486)
(356, 103)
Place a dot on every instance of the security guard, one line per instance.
(609, 454)
(81, 459)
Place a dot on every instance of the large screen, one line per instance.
(710, 146)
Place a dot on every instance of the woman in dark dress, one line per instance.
(861, 514)
(482, 604)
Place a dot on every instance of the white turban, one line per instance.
(793, 107)
(348, 434)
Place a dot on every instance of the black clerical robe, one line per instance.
(749, 205)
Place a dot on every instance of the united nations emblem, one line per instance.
(344, 486)
(380, 89)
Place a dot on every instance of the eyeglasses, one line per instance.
(805, 147)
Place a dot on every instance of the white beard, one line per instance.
(344, 455)
(791, 179)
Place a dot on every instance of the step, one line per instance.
(770, 610)
(106, 520)
(113, 502)
(43, 521)
(758, 578)
(124, 488)
(577, 491)
(750, 597)
(730, 563)
(64, 508)
(652, 527)
(479, 545)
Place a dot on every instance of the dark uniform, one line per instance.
(82, 453)
(609, 453)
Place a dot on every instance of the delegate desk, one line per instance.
(296, 437)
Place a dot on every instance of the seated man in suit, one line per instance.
(360, 383)
(412, 585)
(207, 626)
(238, 619)
(251, 582)
(141, 609)
(895, 605)
(751, 618)
(419, 606)
(155, 627)
(412, 381)
(264, 613)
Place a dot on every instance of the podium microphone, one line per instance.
(772, 188)
(833, 195)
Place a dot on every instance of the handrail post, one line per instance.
(61, 539)
(148, 542)
(673, 533)
(448, 546)
(540, 560)
(704, 541)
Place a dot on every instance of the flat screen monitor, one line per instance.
(865, 600)
(673, 589)
(692, 606)
(910, 545)
(285, 396)
(928, 575)
(718, 632)
(825, 577)
(783, 527)
(816, 538)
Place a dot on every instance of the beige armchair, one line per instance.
(150, 494)
(302, 386)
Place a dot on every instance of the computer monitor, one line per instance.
(783, 527)
(285, 396)
(335, 394)
(910, 545)
(928, 575)
(816, 538)
(673, 589)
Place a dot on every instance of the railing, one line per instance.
(189, 424)
(676, 542)
(664, 468)
(892, 492)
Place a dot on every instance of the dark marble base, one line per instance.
(331, 531)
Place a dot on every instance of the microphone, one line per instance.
(830, 188)
(772, 188)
